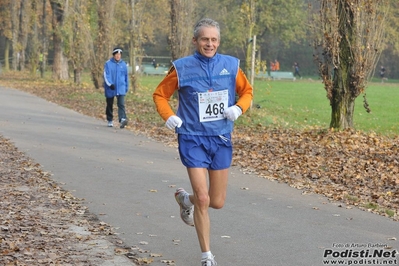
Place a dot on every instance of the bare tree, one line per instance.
(102, 44)
(6, 29)
(248, 16)
(34, 54)
(23, 32)
(14, 30)
(77, 37)
(347, 48)
(44, 44)
(181, 19)
(134, 45)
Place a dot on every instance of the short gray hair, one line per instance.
(205, 22)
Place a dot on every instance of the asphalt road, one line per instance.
(129, 180)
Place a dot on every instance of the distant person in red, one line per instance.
(272, 66)
(276, 65)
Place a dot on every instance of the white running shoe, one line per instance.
(210, 261)
(110, 124)
(186, 212)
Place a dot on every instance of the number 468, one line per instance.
(215, 109)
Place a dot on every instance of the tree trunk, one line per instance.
(23, 33)
(105, 11)
(181, 23)
(343, 100)
(78, 46)
(77, 76)
(250, 22)
(342, 103)
(173, 29)
(14, 29)
(43, 49)
(180, 31)
(7, 55)
(60, 64)
(34, 53)
(133, 48)
(134, 77)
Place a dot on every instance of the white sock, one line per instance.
(187, 201)
(206, 254)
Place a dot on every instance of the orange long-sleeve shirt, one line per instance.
(169, 85)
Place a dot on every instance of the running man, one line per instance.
(207, 83)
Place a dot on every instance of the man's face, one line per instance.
(207, 42)
(117, 56)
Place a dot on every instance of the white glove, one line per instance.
(232, 113)
(173, 121)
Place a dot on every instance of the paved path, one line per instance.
(117, 173)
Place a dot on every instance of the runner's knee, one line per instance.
(217, 203)
(202, 200)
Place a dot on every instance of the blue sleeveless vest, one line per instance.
(198, 74)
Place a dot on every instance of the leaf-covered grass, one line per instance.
(37, 218)
(285, 137)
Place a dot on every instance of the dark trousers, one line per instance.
(121, 108)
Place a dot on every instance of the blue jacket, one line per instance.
(203, 84)
(115, 73)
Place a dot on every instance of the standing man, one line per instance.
(207, 83)
(116, 84)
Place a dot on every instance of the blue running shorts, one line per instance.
(211, 152)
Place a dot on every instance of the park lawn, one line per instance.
(384, 117)
(277, 104)
(303, 104)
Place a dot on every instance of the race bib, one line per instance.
(212, 104)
